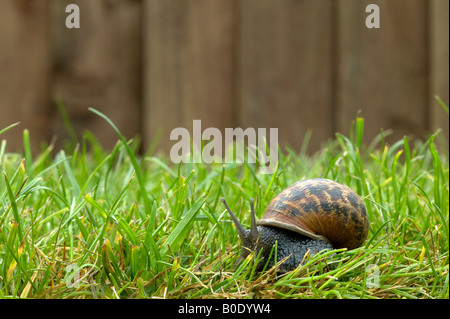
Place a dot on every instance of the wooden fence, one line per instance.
(154, 65)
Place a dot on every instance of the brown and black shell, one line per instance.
(320, 209)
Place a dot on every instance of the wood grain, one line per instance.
(25, 64)
(439, 65)
(188, 71)
(383, 72)
(99, 65)
(295, 65)
(285, 71)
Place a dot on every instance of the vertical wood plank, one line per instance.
(439, 64)
(253, 63)
(25, 70)
(99, 66)
(383, 72)
(285, 69)
(188, 66)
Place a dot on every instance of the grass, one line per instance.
(110, 224)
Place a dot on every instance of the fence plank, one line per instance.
(99, 66)
(189, 66)
(383, 72)
(439, 70)
(25, 67)
(294, 65)
(285, 71)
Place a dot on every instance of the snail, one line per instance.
(309, 216)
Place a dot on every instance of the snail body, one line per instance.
(308, 216)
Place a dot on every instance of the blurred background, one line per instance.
(154, 65)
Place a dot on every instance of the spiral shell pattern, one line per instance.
(320, 209)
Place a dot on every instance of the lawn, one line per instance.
(85, 222)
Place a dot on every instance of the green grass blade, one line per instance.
(441, 103)
(28, 157)
(132, 157)
(14, 207)
(178, 234)
(8, 128)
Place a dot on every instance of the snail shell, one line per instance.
(320, 209)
